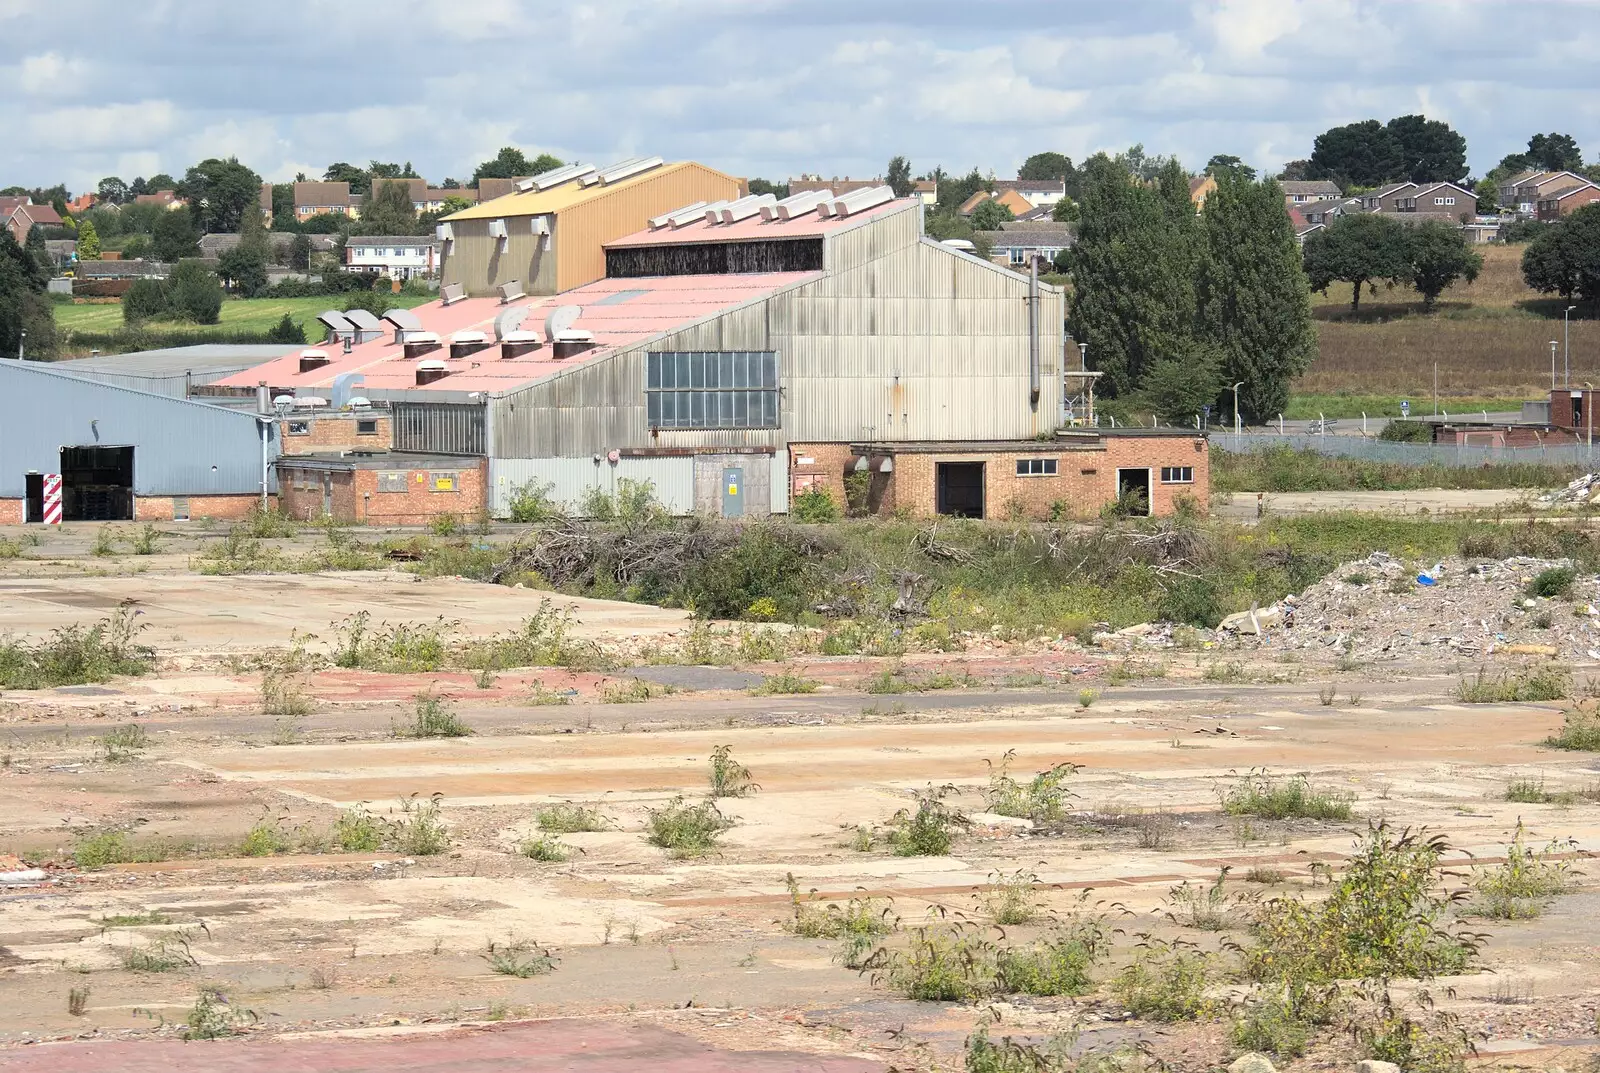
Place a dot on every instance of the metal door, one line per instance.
(733, 492)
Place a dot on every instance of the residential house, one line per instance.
(1562, 202)
(316, 198)
(1322, 213)
(395, 256)
(19, 214)
(1012, 200)
(1302, 226)
(1018, 242)
(1037, 192)
(1526, 189)
(1442, 201)
(213, 246)
(1303, 191)
(489, 189)
(167, 199)
(1199, 187)
(926, 189)
(1386, 198)
(81, 204)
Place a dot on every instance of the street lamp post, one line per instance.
(1238, 426)
(1553, 345)
(1588, 415)
(1566, 350)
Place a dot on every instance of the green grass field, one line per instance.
(238, 314)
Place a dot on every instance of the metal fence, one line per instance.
(1410, 454)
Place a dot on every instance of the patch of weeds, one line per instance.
(167, 954)
(1087, 697)
(1326, 695)
(73, 655)
(133, 920)
(930, 828)
(1155, 829)
(1272, 1023)
(1264, 875)
(420, 831)
(729, 778)
(267, 523)
(95, 851)
(1520, 888)
(1552, 582)
(1436, 1043)
(1528, 791)
(1230, 672)
(283, 688)
(545, 848)
(861, 839)
(147, 541)
(685, 830)
(568, 818)
(784, 685)
(433, 719)
(324, 979)
(124, 743)
(213, 1017)
(265, 839)
(1548, 682)
(357, 830)
(484, 678)
(1258, 793)
(1207, 907)
(939, 963)
(890, 680)
(1059, 962)
(105, 541)
(857, 923)
(1043, 799)
(77, 1001)
(628, 691)
(983, 1055)
(540, 697)
(1167, 982)
(1580, 732)
(1009, 899)
(1358, 578)
(522, 958)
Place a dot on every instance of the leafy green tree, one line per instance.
(1224, 162)
(1430, 151)
(138, 186)
(1065, 211)
(221, 193)
(173, 237)
(1360, 250)
(449, 184)
(989, 215)
(1356, 154)
(193, 293)
(342, 172)
(23, 305)
(300, 253)
(1295, 171)
(286, 331)
(88, 242)
(1254, 306)
(1554, 152)
(762, 186)
(1048, 165)
(112, 191)
(510, 163)
(389, 210)
(158, 182)
(324, 223)
(144, 301)
(244, 268)
(953, 192)
(900, 177)
(1439, 255)
(283, 218)
(1564, 258)
(1177, 386)
(379, 170)
(1132, 270)
(43, 263)
(136, 247)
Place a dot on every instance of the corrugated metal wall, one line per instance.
(478, 261)
(445, 428)
(921, 343)
(570, 478)
(586, 228)
(180, 448)
(175, 386)
(856, 246)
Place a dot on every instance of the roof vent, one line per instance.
(518, 343)
(623, 169)
(702, 211)
(511, 290)
(746, 207)
(420, 343)
(445, 232)
(509, 320)
(657, 223)
(338, 325)
(561, 319)
(795, 205)
(498, 229)
(556, 176)
(862, 200)
(450, 294)
(359, 402)
(571, 342)
(309, 402)
(313, 359)
(431, 371)
(825, 208)
(464, 343)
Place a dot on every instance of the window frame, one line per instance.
(713, 389)
(1167, 473)
(1038, 466)
(366, 426)
(389, 478)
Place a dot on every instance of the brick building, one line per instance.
(381, 487)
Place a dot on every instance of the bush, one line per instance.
(1555, 581)
(1166, 982)
(814, 506)
(1549, 682)
(532, 502)
(939, 964)
(1043, 799)
(420, 831)
(1272, 1024)
(75, 656)
(762, 565)
(568, 818)
(1057, 963)
(194, 293)
(1197, 601)
(687, 830)
(433, 720)
(930, 829)
(357, 831)
(145, 300)
(1580, 732)
(1259, 794)
(1519, 888)
(287, 331)
(729, 778)
(1407, 431)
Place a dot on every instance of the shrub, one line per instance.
(1551, 582)
(357, 831)
(521, 958)
(145, 300)
(1271, 1024)
(686, 830)
(265, 839)
(433, 720)
(729, 778)
(762, 564)
(193, 293)
(929, 830)
(568, 818)
(940, 963)
(857, 923)
(1545, 683)
(212, 1017)
(784, 684)
(1259, 794)
(1043, 799)
(286, 331)
(1195, 600)
(420, 831)
(544, 848)
(1166, 982)
(532, 502)
(1057, 963)
(814, 506)
(98, 850)
(124, 743)
(73, 655)
(1580, 732)
(1519, 888)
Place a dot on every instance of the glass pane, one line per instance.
(697, 370)
(741, 370)
(652, 409)
(668, 409)
(725, 409)
(686, 409)
(724, 370)
(684, 376)
(652, 370)
(741, 412)
(769, 370)
(769, 409)
(668, 371)
(699, 415)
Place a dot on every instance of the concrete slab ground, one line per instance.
(1242, 505)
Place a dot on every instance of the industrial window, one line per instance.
(712, 389)
(299, 428)
(366, 426)
(392, 481)
(444, 482)
(1177, 474)
(1036, 467)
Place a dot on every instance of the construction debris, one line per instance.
(1585, 489)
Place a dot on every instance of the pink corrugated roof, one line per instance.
(617, 311)
(808, 226)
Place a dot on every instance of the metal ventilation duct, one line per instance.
(862, 200)
(623, 169)
(561, 319)
(746, 207)
(509, 321)
(657, 223)
(556, 176)
(796, 205)
(710, 213)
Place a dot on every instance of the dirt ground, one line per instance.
(330, 949)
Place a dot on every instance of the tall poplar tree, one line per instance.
(1254, 305)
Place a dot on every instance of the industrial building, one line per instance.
(119, 454)
(737, 354)
(548, 236)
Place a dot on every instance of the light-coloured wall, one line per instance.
(568, 480)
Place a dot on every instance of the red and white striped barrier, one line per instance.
(52, 499)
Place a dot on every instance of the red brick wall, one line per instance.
(825, 470)
(159, 508)
(332, 432)
(357, 498)
(1155, 452)
(11, 511)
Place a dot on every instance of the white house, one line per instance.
(395, 256)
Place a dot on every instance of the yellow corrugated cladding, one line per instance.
(587, 217)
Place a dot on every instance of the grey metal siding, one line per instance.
(922, 343)
(570, 478)
(439, 427)
(174, 386)
(180, 447)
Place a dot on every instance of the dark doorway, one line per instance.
(958, 489)
(33, 497)
(1133, 491)
(97, 484)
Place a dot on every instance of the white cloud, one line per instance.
(108, 127)
(49, 74)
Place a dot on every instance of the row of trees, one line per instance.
(1176, 307)
(1564, 257)
(1365, 249)
(24, 276)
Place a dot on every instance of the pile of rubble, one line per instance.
(1584, 490)
(1378, 608)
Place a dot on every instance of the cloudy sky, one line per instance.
(767, 87)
